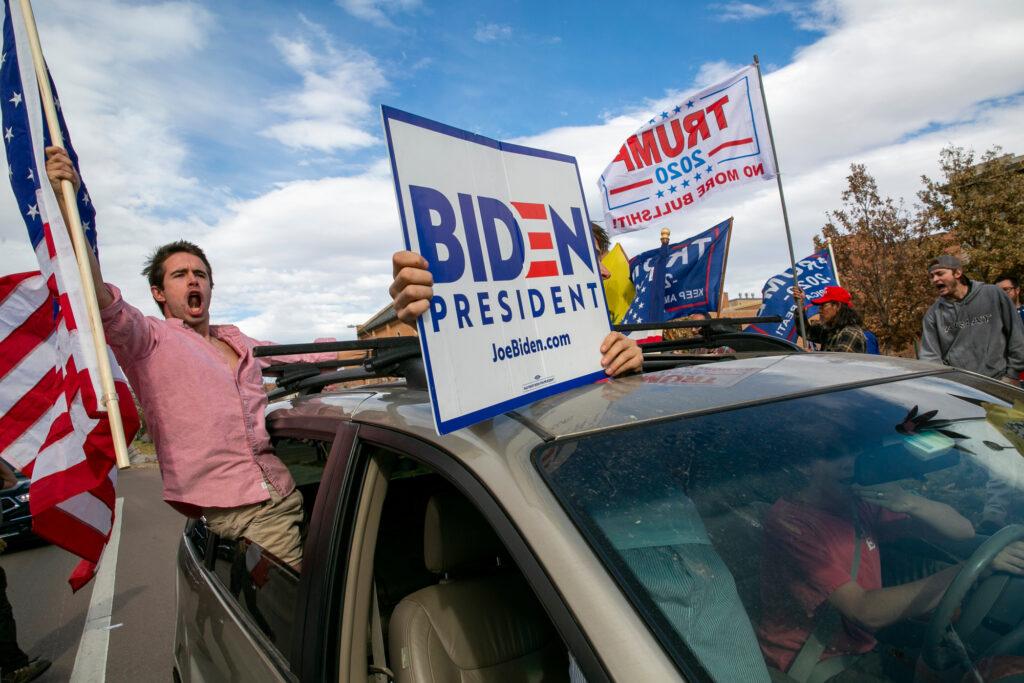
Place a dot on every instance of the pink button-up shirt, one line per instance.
(206, 420)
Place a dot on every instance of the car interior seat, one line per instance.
(481, 622)
(398, 562)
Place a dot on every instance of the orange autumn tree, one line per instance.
(882, 254)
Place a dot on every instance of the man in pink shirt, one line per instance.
(202, 392)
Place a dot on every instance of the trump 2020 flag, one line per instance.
(52, 424)
(693, 272)
(649, 303)
(814, 273)
(711, 140)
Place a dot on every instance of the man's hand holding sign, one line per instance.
(500, 272)
(412, 290)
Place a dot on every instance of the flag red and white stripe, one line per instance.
(52, 424)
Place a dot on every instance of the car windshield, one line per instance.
(858, 533)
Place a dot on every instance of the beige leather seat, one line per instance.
(480, 623)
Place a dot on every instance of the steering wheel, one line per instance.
(941, 623)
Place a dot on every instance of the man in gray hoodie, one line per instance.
(972, 325)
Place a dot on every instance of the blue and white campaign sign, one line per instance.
(518, 311)
(694, 275)
(814, 273)
(711, 140)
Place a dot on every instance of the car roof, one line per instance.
(626, 401)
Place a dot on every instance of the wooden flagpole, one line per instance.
(782, 196)
(109, 398)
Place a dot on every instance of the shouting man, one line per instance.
(972, 325)
(202, 392)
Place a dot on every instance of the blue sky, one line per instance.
(505, 70)
(253, 127)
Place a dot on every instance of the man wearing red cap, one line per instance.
(841, 328)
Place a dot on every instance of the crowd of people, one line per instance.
(971, 325)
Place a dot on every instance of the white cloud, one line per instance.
(377, 11)
(815, 16)
(333, 106)
(310, 257)
(122, 120)
(712, 72)
(744, 11)
(489, 33)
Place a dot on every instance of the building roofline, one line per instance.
(377, 320)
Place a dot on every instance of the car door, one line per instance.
(343, 648)
(243, 615)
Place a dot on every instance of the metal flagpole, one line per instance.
(722, 301)
(782, 196)
(81, 246)
(835, 266)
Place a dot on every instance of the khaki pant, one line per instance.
(273, 525)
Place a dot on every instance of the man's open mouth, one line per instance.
(195, 303)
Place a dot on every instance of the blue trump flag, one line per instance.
(693, 272)
(649, 303)
(814, 273)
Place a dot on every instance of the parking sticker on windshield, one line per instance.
(518, 311)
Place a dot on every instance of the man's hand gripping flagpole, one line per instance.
(110, 401)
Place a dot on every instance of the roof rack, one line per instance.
(384, 357)
(399, 357)
(712, 333)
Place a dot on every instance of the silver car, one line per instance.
(734, 520)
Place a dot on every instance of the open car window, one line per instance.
(261, 586)
(734, 533)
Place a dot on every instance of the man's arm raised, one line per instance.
(60, 168)
(412, 289)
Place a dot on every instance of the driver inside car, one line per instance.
(822, 592)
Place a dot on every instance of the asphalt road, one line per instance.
(51, 618)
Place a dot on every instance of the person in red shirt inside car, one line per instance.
(821, 578)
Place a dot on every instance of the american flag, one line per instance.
(649, 303)
(52, 425)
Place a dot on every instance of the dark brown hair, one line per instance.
(1012, 278)
(601, 238)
